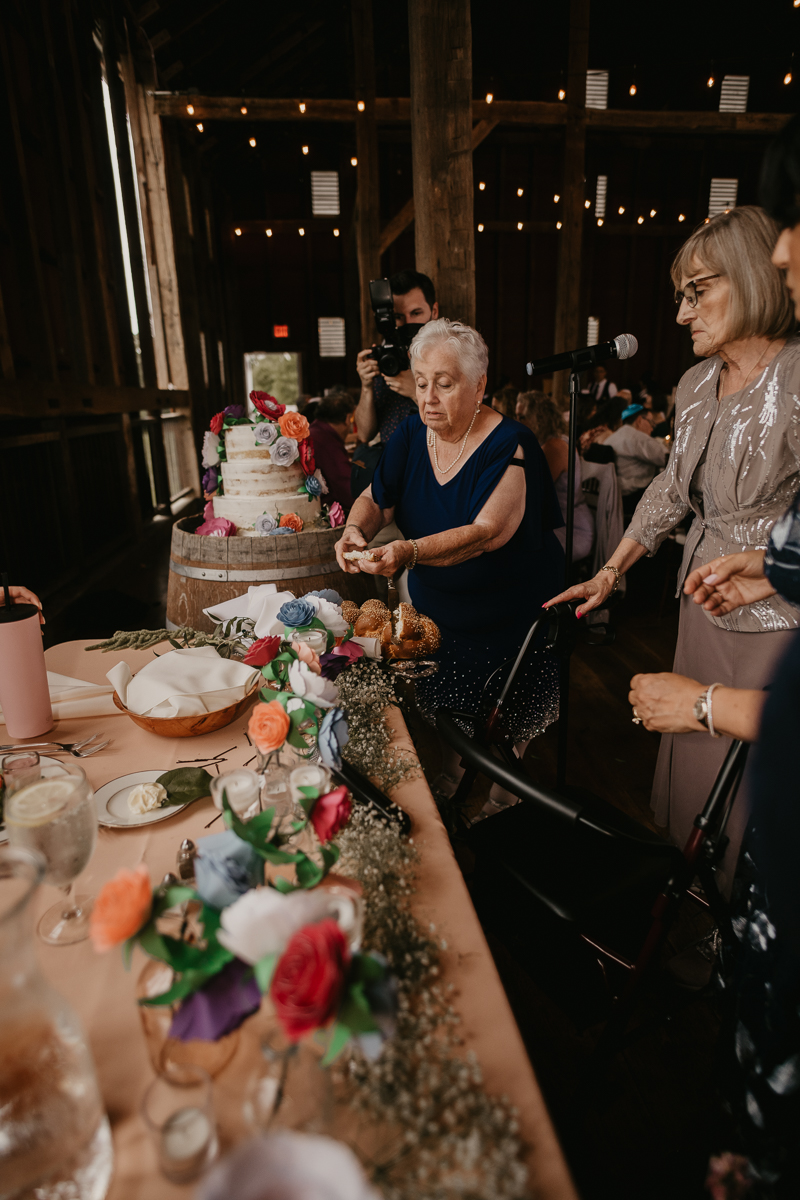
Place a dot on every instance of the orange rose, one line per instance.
(308, 656)
(292, 521)
(268, 726)
(293, 425)
(122, 907)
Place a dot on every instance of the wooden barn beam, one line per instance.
(367, 200)
(568, 282)
(41, 398)
(401, 220)
(440, 39)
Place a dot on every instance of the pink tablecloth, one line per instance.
(102, 991)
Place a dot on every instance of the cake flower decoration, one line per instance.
(265, 524)
(216, 423)
(267, 405)
(336, 515)
(312, 486)
(217, 527)
(210, 452)
(294, 425)
(292, 521)
(265, 433)
(307, 460)
(283, 452)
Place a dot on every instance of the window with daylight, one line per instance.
(277, 374)
(592, 331)
(600, 196)
(331, 337)
(733, 93)
(325, 193)
(597, 89)
(722, 195)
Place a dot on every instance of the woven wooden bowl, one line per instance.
(182, 727)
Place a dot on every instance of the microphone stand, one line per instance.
(563, 707)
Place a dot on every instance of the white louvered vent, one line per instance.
(600, 196)
(597, 89)
(592, 331)
(733, 93)
(331, 337)
(325, 193)
(722, 195)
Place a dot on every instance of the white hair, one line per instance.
(470, 348)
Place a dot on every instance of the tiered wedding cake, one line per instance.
(253, 484)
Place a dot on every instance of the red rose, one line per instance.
(309, 978)
(262, 652)
(307, 460)
(331, 813)
(217, 422)
(267, 405)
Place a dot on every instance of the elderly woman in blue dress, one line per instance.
(472, 491)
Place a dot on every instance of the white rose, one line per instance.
(210, 452)
(304, 682)
(330, 614)
(263, 920)
(146, 796)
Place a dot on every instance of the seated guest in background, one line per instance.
(544, 418)
(735, 464)
(525, 402)
(473, 495)
(639, 456)
(333, 420)
(605, 421)
(504, 401)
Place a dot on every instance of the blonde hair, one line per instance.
(739, 244)
(542, 415)
(471, 350)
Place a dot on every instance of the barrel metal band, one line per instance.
(264, 576)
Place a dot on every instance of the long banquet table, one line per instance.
(102, 991)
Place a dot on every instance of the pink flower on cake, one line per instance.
(267, 405)
(217, 527)
(336, 515)
(308, 656)
(208, 511)
(292, 521)
(307, 460)
(217, 422)
(293, 425)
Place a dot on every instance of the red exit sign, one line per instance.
(280, 331)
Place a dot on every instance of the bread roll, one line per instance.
(407, 622)
(350, 611)
(431, 638)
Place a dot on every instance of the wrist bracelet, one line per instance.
(608, 567)
(350, 525)
(711, 728)
(416, 552)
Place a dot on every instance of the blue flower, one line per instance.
(281, 529)
(265, 524)
(333, 735)
(327, 594)
(225, 868)
(297, 613)
(313, 485)
(265, 433)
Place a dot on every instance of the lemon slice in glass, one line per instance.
(39, 803)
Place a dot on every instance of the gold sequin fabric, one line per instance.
(751, 442)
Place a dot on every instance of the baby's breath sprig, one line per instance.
(365, 692)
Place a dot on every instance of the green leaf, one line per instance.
(339, 1039)
(366, 969)
(355, 1011)
(255, 833)
(284, 886)
(187, 983)
(330, 855)
(264, 970)
(309, 874)
(171, 897)
(186, 784)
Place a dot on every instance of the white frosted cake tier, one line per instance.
(252, 485)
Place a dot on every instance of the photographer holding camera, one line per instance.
(388, 398)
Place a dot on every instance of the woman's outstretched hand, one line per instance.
(388, 560)
(594, 591)
(729, 582)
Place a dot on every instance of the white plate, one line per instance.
(50, 767)
(112, 802)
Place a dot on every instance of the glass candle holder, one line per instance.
(243, 789)
(309, 776)
(178, 1111)
(317, 639)
(19, 769)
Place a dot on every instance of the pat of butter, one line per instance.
(146, 796)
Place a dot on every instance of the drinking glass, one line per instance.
(19, 769)
(178, 1111)
(58, 817)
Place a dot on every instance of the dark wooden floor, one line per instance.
(657, 1120)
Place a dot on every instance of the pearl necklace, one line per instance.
(432, 442)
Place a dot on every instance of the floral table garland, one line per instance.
(384, 1000)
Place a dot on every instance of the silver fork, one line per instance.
(67, 747)
(91, 750)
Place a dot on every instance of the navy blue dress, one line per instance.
(485, 606)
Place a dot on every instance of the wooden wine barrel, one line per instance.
(204, 571)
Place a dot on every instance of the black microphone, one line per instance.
(624, 346)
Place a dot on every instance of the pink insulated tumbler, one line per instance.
(24, 694)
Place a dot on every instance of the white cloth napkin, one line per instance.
(182, 683)
(260, 603)
(76, 698)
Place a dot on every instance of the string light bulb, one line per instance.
(632, 90)
(268, 232)
(599, 221)
(519, 191)
(243, 110)
(336, 233)
(652, 212)
(561, 93)
(558, 224)
(480, 229)
(519, 224)
(302, 232)
(199, 126)
(305, 149)
(353, 162)
(556, 198)
(640, 220)
(302, 108)
(238, 232)
(787, 77)
(621, 209)
(360, 106)
(587, 204)
(190, 109)
(489, 97)
(710, 81)
(481, 187)
(681, 217)
(253, 142)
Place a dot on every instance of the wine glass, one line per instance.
(58, 817)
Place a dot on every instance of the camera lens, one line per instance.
(389, 363)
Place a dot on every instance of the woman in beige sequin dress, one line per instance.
(734, 463)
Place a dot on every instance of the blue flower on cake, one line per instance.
(313, 485)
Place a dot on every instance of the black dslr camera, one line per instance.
(392, 356)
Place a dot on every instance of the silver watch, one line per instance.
(700, 709)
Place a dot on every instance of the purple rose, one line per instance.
(210, 480)
(234, 410)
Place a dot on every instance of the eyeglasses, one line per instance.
(689, 293)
